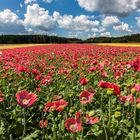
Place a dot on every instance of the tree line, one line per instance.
(22, 39)
(122, 39)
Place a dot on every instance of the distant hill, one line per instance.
(21, 39)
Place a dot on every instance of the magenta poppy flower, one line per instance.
(86, 97)
(25, 99)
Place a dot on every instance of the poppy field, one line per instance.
(70, 92)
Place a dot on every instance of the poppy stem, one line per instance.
(11, 137)
(134, 119)
(106, 137)
(24, 124)
(102, 101)
(109, 123)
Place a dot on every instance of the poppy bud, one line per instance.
(133, 90)
(110, 91)
(138, 106)
(117, 114)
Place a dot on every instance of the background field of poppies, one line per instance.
(70, 91)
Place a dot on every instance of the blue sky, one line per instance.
(70, 18)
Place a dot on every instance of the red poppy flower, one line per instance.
(50, 106)
(83, 81)
(113, 86)
(43, 124)
(128, 98)
(104, 73)
(46, 80)
(103, 84)
(118, 74)
(91, 120)
(25, 99)
(60, 105)
(86, 97)
(135, 64)
(74, 124)
(138, 100)
(122, 98)
(35, 71)
(91, 69)
(56, 105)
(1, 96)
(137, 87)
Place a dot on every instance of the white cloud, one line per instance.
(47, 1)
(110, 20)
(81, 22)
(102, 29)
(105, 34)
(75, 34)
(95, 30)
(116, 7)
(122, 27)
(20, 5)
(38, 18)
(29, 1)
(10, 22)
(99, 29)
(91, 35)
(138, 21)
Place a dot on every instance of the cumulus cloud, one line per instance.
(138, 21)
(39, 18)
(10, 22)
(116, 7)
(122, 27)
(105, 34)
(81, 22)
(110, 20)
(29, 1)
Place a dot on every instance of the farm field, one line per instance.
(70, 92)
(11, 46)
